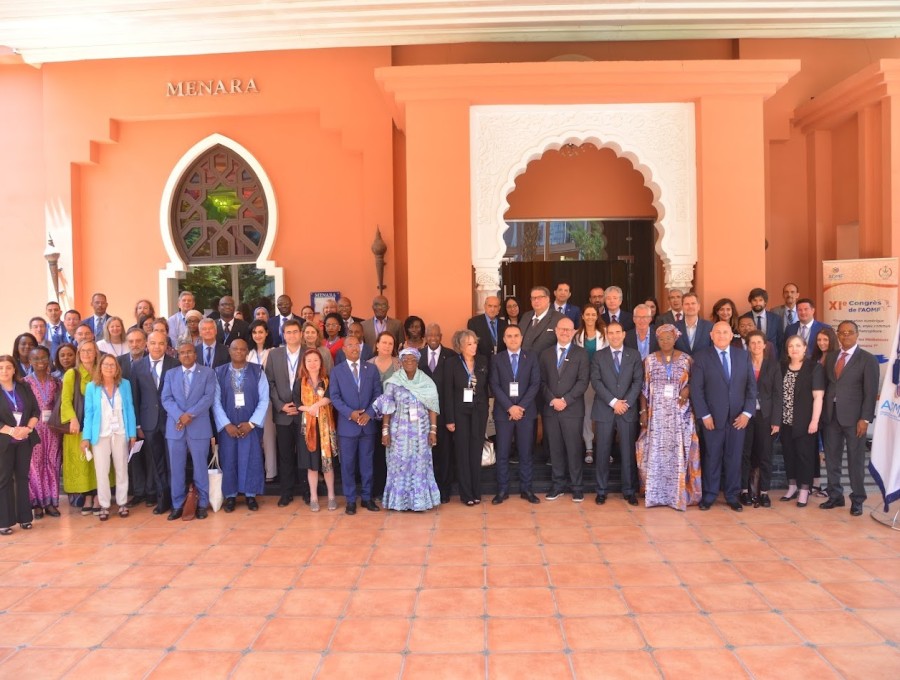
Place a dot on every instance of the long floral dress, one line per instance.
(668, 450)
(410, 469)
(43, 478)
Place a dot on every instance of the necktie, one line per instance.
(494, 330)
(432, 360)
(614, 318)
(562, 356)
(515, 364)
(208, 355)
(55, 333)
(759, 322)
(356, 373)
(534, 321)
(677, 316)
(839, 367)
(187, 383)
(617, 360)
(98, 326)
(790, 316)
(227, 326)
(804, 333)
(560, 310)
(724, 354)
(155, 370)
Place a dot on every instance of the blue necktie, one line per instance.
(356, 374)
(562, 357)
(187, 383)
(515, 364)
(725, 365)
(209, 356)
(617, 360)
(494, 331)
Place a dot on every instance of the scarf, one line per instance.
(420, 385)
(308, 397)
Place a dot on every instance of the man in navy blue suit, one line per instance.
(355, 385)
(695, 332)
(723, 394)
(100, 317)
(614, 311)
(515, 380)
(768, 322)
(561, 296)
(187, 396)
(806, 325)
(284, 304)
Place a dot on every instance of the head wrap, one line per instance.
(420, 385)
(667, 327)
(192, 313)
(262, 308)
(406, 351)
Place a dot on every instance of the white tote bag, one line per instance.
(215, 481)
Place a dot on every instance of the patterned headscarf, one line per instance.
(667, 327)
(410, 350)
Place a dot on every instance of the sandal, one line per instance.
(314, 506)
(588, 457)
(38, 512)
(103, 513)
(123, 511)
(51, 511)
(87, 510)
(332, 503)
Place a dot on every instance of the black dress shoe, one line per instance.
(229, 504)
(149, 502)
(285, 500)
(136, 500)
(856, 508)
(350, 508)
(51, 511)
(175, 514)
(735, 505)
(832, 503)
(600, 499)
(745, 498)
(201, 513)
(499, 498)
(765, 501)
(703, 505)
(530, 497)
(252, 504)
(371, 506)
(632, 499)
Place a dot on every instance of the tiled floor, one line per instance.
(556, 590)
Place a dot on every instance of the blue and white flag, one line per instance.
(884, 463)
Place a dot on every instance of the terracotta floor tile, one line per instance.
(258, 536)
(180, 664)
(574, 535)
(382, 602)
(746, 550)
(398, 554)
(528, 536)
(776, 570)
(517, 576)
(631, 665)
(518, 666)
(371, 635)
(457, 537)
(799, 595)
(863, 595)
(341, 554)
(799, 550)
(121, 552)
(566, 553)
(277, 666)
(40, 664)
(590, 602)
(390, 576)
(688, 551)
(447, 555)
(870, 663)
(446, 602)
(405, 537)
(772, 663)
(79, 630)
(351, 536)
(725, 598)
(10, 595)
(354, 665)
(180, 600)
(328, 577)
(520, 602)
(150, 631)
(638, 553)
(456, 635)
(658, 599)
(832, 628)
(667, 533)
(510, 517)
(51, 600)
(222, 633)
(608, 516)
(780, 532)
(699, 573)
(329, 602)
(515, 554)
(202, 576)
(38, 574)
(248, 602)
(885, 621)
(602, 632)
(652, 574)
(20, 628)
(726, 533)
(885, 569)
(295, 634)
(266, 577)
(468, 576)
(678, 630)
(294, 538)
(858, 548)
(444, 666)
(524, 635)
(619, 534)
(118, 601)
(178, 554)
(111, 664)
(146, 576)
(754, 628)
(683, 663)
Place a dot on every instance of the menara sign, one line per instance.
(211, 88)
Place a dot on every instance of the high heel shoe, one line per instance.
(791, 496)
(804, 495)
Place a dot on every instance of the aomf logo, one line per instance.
(885, 272)
(835, 274)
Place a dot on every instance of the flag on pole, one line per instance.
(884, 463)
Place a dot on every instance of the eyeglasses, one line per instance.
(847, 332)
(538, 297)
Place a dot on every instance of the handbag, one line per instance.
(215, 481)
(56, 423)
(189, 510)
(488, 456)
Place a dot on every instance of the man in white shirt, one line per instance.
(177, 325)
(675, 313)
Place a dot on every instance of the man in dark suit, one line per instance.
(381, 322)
(614, 311)
(100, 317)
(148, 377)
(617, 373)
(355, 385)
(565, 375)
(596, 297)
(281, 371)
(187, 397)
(768, 322)
(141, 476)
(695, 332)
(365, 352)
(788, 311)
(489, 328)
(806, 325)
(561, 296)
(723, 394)
(345, 309)
(209, 352)
(643, 336)
(675, 313)
(71, 321)
(539, 324)
(515, 380)
(433, 361)
(227, 327)
(136, 340)
(55, 329)
(283, 304)
(850, 395)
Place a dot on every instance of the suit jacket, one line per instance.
(770, 391)
(148, 408)
(667, 317)
(30, 409)
(275, 328)
(625, 318)
(280, 392)
(479, 325)
(239, 329)
(569, 311)
(712, 394)
(220, 355)
(774, 328)
(701, 336)
(456, 379)
(781, 311)
(536, 339)
(92, 320)
(569, 382)
(632, 341)
(794, 329)
(126, 364)
(528, 376)
(346, 397)
(93, 411)
(851, 397)
(198, 402)
(394, 327)
(438, 374)
(609, 385)
(365, 353)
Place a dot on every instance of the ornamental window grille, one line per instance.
(219, 214)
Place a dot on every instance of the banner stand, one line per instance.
(886, 518)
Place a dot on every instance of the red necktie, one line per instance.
(839, 367)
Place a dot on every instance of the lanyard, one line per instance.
(293, 365)
(44, 393)
(111, 399)
(13, 399)
(465, 366)
(668, 369)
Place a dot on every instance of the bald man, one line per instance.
(489, 328)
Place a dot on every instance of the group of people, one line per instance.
(402, 415)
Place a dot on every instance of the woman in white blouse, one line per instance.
(113, 341)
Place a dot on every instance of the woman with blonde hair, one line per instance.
(113, 341)
(314, 339)
(78, 473)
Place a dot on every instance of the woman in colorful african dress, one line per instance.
(43, 480)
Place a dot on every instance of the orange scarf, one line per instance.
(327, 435)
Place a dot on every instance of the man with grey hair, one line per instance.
(643, 336)
(539, 325)
(614, 311)
(209, 352)
(177, 322)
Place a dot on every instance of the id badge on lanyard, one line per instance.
(239, 400)
(468, 395)
(514, 389)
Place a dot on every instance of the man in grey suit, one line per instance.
(565, 375)
(539, 325)
(381, 323)
(675, 313)
(617, 373)
(788, 311)
(850, 394)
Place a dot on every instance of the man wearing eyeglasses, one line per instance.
(539, 325)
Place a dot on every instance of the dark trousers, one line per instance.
(758, 440)
(836, 437)
(468, 443)
(523, 430)
(442, 458)
(563, 437)
(155, 450)
(141, 474)
(722, 467)
(15, 504)
(286, 438)
(379, 468)
(800, 447)
(603, 442)
(357, 452)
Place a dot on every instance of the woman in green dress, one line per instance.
(79, 476)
